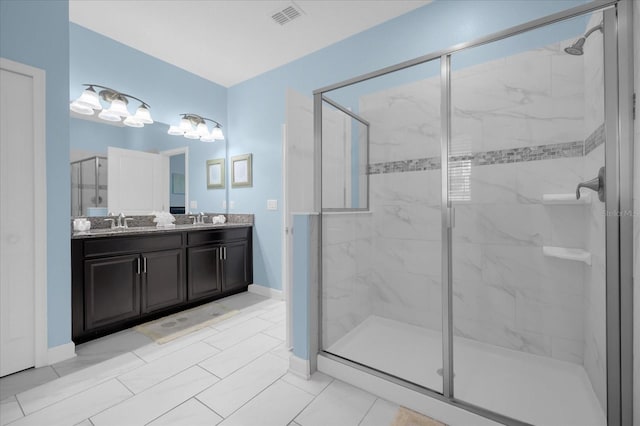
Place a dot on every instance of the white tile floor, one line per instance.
(232, 373)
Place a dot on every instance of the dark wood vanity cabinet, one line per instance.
(163, 283)
(119, 281)
(204, 271)
(235, 256)
(112, 290)
(218, 262)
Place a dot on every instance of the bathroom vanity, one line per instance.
(121, 278)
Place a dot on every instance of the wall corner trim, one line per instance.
(266, 291)
(299, 367)
(61, 353)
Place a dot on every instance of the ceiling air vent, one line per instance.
(286, 15)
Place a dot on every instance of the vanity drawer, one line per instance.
(131, 244)
(218, 235)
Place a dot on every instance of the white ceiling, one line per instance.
(229, 41)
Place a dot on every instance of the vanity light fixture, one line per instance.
(193, 126)
(89, 102)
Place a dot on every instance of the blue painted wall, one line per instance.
(301, 282)
(36, 33)
(256, 107)
(169, 91)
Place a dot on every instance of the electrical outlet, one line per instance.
(272, 204)
(232, 204)
(193, 204)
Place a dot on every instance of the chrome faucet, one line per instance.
(198, 219)
(119, 222)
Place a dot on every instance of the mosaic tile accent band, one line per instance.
(501, 156)
(594, 140)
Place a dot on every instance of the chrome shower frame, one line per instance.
(618, 84)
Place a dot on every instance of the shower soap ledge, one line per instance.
(565, 199)
(567, 254)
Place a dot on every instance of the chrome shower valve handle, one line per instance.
(596, 184)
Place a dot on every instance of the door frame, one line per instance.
(170, 153)
(40, 205)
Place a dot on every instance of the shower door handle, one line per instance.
(595, 184)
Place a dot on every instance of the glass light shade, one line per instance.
(90, 99)
(143, 115)
(185, 125)
(208, 138)
(75, 106)
(217, 134)
(108, 115)
(192, 135)
(175, 131)
(202, 129)
(131, 121)
(119, 107)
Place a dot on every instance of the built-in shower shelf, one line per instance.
(566, 253)
(565, 199)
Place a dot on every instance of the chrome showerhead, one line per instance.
(576, 48)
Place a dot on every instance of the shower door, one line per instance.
(527, 256)
(381, 238)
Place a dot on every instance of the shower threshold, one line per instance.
(531, 388)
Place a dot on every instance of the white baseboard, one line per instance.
(300, 367)
(400, 395)
(61, 353)
(266, 291)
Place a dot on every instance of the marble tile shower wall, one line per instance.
(346, 269)
(594, 315)
(518, 132)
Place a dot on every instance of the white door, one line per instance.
(22, 220)
(138, 182)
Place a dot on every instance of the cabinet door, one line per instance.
(163, 279)
(235, 265)
(204, 271)
(111, 290)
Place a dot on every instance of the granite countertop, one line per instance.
(108, 232)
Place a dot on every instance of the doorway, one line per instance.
(178, 175)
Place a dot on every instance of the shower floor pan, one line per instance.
(530, 388)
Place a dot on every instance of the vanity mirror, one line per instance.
(138, 170)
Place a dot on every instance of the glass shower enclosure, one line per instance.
(459, 256)
(89, 187)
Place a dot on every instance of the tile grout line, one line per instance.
(242, 366)
(250, 399)
(125, 386)
(145, 390)
(369, 410)
(304, 390)
(117, 403)
(312, 399)
(69, 396)
(166, 378)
